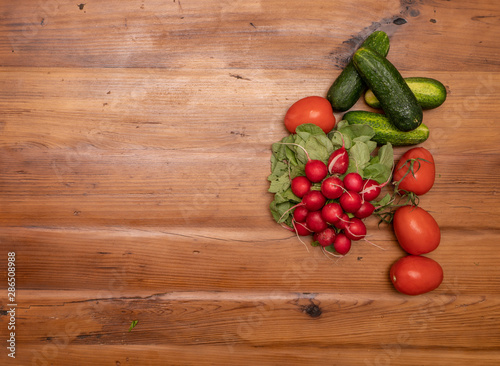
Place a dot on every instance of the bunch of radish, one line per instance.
(333, 214)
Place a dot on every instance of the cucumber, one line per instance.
(396, 98)
(348, 86)
(385, 131)
(430, 93)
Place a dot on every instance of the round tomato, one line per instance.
(415, 171)
(416, 275)
(416, 230)
(315, 110)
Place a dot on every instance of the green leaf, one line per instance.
(132, 325)
(385, 200)
(386, 155)
(285, 196)
(291, 156)
(280, 184)
(278, 170)
(279, 148)
(319, 148)
(360, 133)
(306, 130)
(372, 145)
(300, 154)
(344, 136)
(330, 249)
(378, 172)
(360, 154)
(297, 170)
(279, 211)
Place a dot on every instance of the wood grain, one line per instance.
(134, 150)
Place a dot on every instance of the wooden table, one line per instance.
(134, 149)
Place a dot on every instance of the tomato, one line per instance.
(416, 230)
(419, 161)
(416, 275)
(315, 110)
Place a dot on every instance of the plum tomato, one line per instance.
(416, 230)
(314, 109)
(416, 275)
(415, 171)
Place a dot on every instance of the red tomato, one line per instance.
(416, 275)
(316, 110)
(416, 230)
(423, 167)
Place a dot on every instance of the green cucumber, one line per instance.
(348, 86)
(430, 93)
(396, 98)
(385, 131)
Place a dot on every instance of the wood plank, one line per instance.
(176, 259)
(95, 187)
(155, 108)
(158, 355)
(209, 34)
(262, 319)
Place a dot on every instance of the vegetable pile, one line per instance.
(326, 177)
(326, 184)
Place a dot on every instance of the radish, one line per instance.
(353, 182)
(339, 160)
(356, 229)
(301, 228)
(326, 237)
(332, 187)
(342, 244)
(315, 170)
(313, 200)
(300, 186)
(350, 201)
(331, 212)
(365, 210)
(342, 222)
(315, 221)
(300, 214)
(371, 189)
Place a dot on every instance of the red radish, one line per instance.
(326, 237)
(350, 201)
(353, 182)
(300, 186)
(301, 229)
(342, 244)
(300, 213)
(313, 200)
(339, 160)
(356, 229)
(342, 222)
(332, 212)
(371, 189)
(315, 170)
(365, 210)
(332, 187)
(315, 221)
